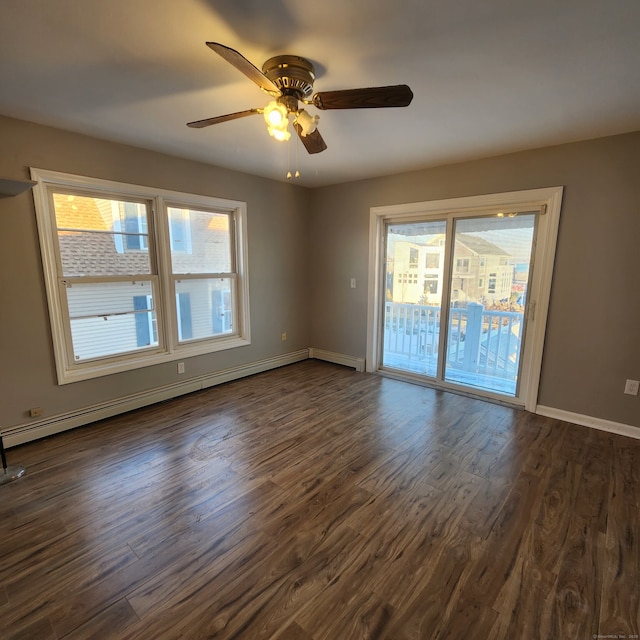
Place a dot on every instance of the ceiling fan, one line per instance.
(289, 80)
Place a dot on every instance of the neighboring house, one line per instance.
(481, 271)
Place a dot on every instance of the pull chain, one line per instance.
(297, 173)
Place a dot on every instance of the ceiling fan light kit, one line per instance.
(289, 80)
(308, 123)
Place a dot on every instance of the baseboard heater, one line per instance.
(49, 426)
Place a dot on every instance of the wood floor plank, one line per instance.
(620, 584)
(205, 605)
(198, 545)
(594, 489)
(293, 632)
(504, 542)
(403, 471)
(626, 471)
(468, 616)
(39, 628)
(257, 596)
(435, 595)
(411, 534)
(577, 593)
(197, 569)
(314, 502)
(550, 527)
(78, 568)
(22, 541)
(313, 564)
(110, 622)
(526, 600)
(357, 614)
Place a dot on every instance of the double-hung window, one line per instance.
(138, 276)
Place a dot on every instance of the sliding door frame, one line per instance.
(547, 200)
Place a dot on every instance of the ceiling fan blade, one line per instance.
(198, 124)
(399, 95)
(313, 142)
(242, 64)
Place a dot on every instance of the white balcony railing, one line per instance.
(483, 346)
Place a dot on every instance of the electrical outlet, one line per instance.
(631, 387)
(180, 367)
(283, 336)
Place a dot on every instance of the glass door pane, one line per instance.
(414, 285)
(488, 291)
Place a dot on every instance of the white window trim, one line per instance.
(69, 371)
(548, 200)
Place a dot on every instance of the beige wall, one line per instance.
(278, 267)
(592, 342)
(304, 246)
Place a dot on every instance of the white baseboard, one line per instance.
(337, 358)
(51, 425)
(588, 421)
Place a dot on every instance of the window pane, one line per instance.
(486, 322)
(109, 318)
(100, 237)
(205, 307)
(412, 302)
(201, 241)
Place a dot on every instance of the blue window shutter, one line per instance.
(177, 234)
(184, 302)
(217, 305)
(142, 321)
(131, 225)
(117, 235)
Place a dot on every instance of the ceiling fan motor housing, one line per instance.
(293, 75)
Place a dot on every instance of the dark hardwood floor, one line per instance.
(313, 502)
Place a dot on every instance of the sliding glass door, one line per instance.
(455, 295)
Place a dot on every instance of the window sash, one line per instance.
(185, 249)
(97, 329)
(213, 306)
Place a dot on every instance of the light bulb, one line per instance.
(275, 118)
(275, 114)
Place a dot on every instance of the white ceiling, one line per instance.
(488, 76)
